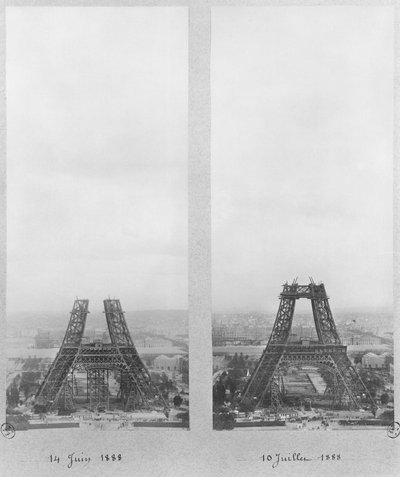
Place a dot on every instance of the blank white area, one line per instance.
(302, 137)
(97, 157)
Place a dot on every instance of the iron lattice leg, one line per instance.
(276, 393)
(260, 381)
(356, 390)
(62, 364)
(324, 324)
(64, 400)
(141, 391)
(283, 321)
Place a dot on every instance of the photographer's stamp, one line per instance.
(7, 430)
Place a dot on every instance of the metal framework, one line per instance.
(98, 388)
(346, 388)
(56, 376)
(97, 359)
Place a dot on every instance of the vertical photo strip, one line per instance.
(97, 322)
(302, 218)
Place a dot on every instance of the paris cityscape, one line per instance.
(94, 394)
(305, 382)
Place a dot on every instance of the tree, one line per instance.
(219, 393)
(178, 401)
(231, 384)
(29, 381)
(234, 361)
(12, 395)
(385, 398)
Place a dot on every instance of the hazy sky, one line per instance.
(302, 118)
(97, 157)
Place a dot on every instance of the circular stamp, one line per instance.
(7, 430)
(393, 430)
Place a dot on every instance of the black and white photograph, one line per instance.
(97, 330)
(199, 238)
(302, 227)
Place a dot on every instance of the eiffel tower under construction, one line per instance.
(97, 359)
(265, 387)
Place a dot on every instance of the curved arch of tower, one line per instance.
(97, 360)
(265, 385)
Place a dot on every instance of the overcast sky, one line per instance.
(97, 154)
(302, 118)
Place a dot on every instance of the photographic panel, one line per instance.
(97, 329)
(302, 204)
